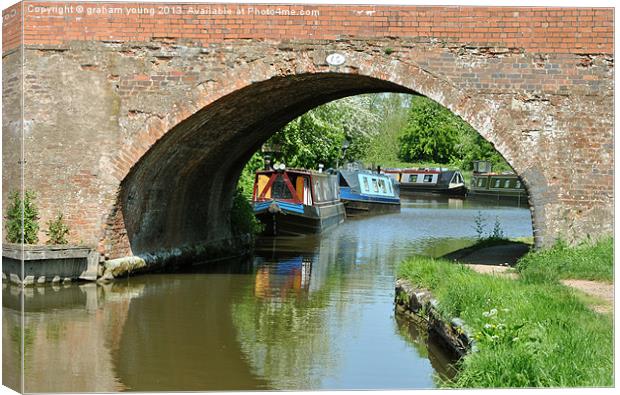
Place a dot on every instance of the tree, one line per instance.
(430, 134)
(434, 134)
(57, 230)
(22, 209)
(384, 146)
(318, 135)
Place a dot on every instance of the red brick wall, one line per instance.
(11, 27)
(565, 30)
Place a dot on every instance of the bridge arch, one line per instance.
(177, 175)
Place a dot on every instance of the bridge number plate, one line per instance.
(335, 59)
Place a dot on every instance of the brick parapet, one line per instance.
(530, 29)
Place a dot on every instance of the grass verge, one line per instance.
(588, 261)
(528, 333)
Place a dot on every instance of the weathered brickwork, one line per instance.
(137, 128)
(547, 30)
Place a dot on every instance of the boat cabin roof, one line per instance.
(503, 174)
(295, 171)
(422, 171)
(352, 180)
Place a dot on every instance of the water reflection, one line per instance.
(310, 312)
(70, 333)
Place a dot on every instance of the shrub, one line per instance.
(57, 230)
(242, 216)
(27, 211)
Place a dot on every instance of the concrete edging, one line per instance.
(39, 264)
(419, 304)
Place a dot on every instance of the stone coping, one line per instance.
(419, 302)
(41, 252)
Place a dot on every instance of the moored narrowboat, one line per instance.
(499, 186)
(432, 180)
(367, 192)
(296, 201)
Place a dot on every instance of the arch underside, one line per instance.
(180, 191)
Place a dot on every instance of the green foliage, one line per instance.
(317, 136)
(246, 179)
(388, 51)
(242, 217)
(496, 330)
(479, 225)
(14, 232)
(384, 146)
(57, 230)
(496, 234)
(430, 134)
(588, 261)
(434, 134)
(543, 334)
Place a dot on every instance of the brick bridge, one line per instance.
(138, 118)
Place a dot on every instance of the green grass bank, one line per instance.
(528, 332)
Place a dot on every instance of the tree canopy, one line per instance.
(434, 134)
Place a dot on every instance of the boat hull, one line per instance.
(509, 196)
(362, 204)
(355, 207)
(412, 189)
(313, 219)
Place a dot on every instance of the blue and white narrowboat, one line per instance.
(296, 201)
(366, 192)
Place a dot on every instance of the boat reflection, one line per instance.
(277, 279)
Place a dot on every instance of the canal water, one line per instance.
(305, 313)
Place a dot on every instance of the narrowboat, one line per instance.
(499, 186)
(432, 180)
(296, 201)
(367, 192)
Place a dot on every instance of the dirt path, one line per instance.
(599, 290)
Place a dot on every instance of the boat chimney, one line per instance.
(321, 167)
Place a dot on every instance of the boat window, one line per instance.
(389, 184)
(480, 182)
(507, 184)
(317, 191)
(382, 185)
(366, 187)
(497, 181)
(413, 178)
(428, 178)
(279, 189)
(262, 181)
(307, 193)
(518, 184)
(375, 187)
